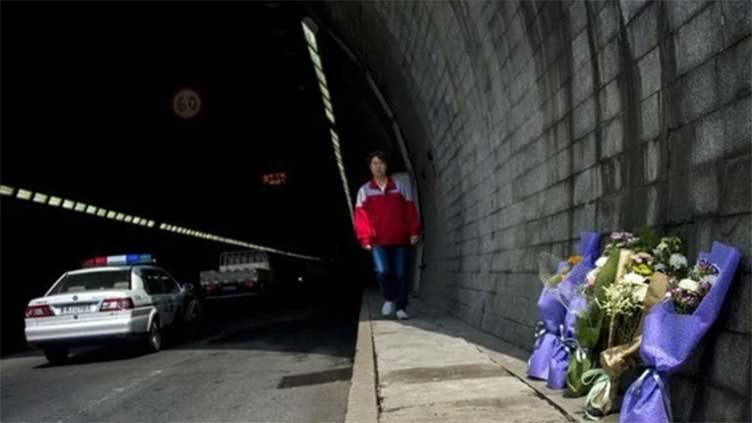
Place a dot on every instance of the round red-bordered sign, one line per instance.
(186, 103)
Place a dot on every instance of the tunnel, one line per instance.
(519, 124)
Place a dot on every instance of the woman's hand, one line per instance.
(414, 239)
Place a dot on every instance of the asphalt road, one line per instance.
(254, 364)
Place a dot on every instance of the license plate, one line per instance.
(75, 309)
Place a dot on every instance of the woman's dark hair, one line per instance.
(378, 154)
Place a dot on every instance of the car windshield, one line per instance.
(94, 281)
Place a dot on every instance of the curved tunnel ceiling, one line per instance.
(530, 121)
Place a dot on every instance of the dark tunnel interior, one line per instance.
(87, 115)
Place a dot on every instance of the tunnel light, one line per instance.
(329, 115)
(68, 204)
(320, 75)
(101, 213)
(23, 194)
(91, 210)
(6, 190)
(111, 214)
(309, 30)
(327, 104)
(136, 220)
(150, 224)
(40, 198)
(119, 217)
(80, 207)
(315, 58)
(55, 201)
(128, 218)
(163, 226)
(324, 91)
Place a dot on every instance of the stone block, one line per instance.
(584, 217)
(734, 71)
(612, 138)
(704, 194)
(606, 25)
(582, 83)
(653, 161)
(719, 405)
(609, 62)
(587, 186)
(584, 153)
(577, 17)
(611, 175)
(680, 11)
(737, 19)
(610, 101)
(708, 142)
(650, 117)
(697, 92)
(734, 230)
(581, 53)
(630, 8)
(698, 40)
(609, 217)
(584, 118)
(729, 361)
(650, 73)
(643, 31)
(738, 307)
(736, 191)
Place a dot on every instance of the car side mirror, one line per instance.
(188, 287)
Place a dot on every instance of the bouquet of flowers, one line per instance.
(557, 291)
(570, 295)
(589, 317)
(673, 329)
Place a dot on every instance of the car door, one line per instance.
(171, 293)
(155, 289)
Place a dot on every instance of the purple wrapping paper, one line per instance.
(549, 335)
(573, 302)
(669, 339)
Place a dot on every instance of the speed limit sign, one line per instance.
(186, 103)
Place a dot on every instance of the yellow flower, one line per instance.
(574, 260)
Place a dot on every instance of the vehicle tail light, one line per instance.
(38, 311)
(115, 304)
(249, 283)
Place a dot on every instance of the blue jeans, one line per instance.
(391, 271)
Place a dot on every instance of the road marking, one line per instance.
(115, 391)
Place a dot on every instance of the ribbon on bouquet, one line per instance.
(651, 372)
(599, 397)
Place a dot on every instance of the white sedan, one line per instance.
(118, 298)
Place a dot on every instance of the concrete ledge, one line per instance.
(362, 402)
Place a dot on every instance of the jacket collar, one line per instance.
(389, 184)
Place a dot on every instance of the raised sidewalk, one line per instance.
(435, 368)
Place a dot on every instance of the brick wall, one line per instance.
(528, 122)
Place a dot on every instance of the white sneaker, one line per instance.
(402, 315)
(388, 308)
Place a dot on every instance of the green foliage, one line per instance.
(647, 240)
(575, 387)
(606, 276)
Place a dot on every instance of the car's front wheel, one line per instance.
(56, 355)
(154, 338)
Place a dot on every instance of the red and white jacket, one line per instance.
(387, 217)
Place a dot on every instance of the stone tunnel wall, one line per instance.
(528, 122)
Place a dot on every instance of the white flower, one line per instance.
(662, 246)
(601, 261)
(709, 279)
(689, 285)
(635, 278)
(639, 292)
(677, 261)
(591, 276)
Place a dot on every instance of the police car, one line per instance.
(112, 298)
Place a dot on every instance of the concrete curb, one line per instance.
(362, 402)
